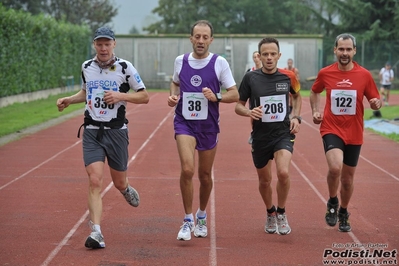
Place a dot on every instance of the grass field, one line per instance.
(19, 116)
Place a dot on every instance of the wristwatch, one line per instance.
(218, 96)
(298, 118)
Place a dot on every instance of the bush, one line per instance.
(36, 51)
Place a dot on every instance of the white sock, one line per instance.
(189, 216)
(201, 214)
(97, 228)
(125, 190)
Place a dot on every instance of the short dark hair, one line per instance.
(345, 36)
(268, 40)
(202, 22)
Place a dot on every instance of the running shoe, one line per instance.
(344, 224)
(332, 214)
(131, 196)
(250, 139)
(200, 229)
(271, 223)
(95, 240)
(283, 227)
(185, 230)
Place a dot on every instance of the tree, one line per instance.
(134, 30)
(244, 16)
(32, 6)
(94, 13)
(375, 23)
(373, 18)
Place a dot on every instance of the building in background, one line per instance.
(154, 55)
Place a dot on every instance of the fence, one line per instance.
(154, 55)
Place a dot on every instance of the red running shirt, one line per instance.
(344, 110)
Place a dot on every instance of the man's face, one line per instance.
(104, 48)
(269, 55)
(344, 51)
(289, 64)
(201, 40)
(256, 58)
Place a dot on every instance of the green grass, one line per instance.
(18, 116)
(388, 113)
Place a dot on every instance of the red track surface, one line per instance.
(43, 194)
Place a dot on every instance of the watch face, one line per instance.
(218, 96)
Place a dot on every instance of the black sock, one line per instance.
(333, 200)
(343, 210)
(271, 210)
(279, 210)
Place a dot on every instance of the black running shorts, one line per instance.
(263, 150)
(351, 152)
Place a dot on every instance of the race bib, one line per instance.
(102, 110)
(195, 106)
(343, 102)
(274, 108)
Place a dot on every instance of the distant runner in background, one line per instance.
(290, 67)
(257, 62)
(386, 76)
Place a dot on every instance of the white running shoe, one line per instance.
(250, 139)
(95, 240)
(200, 229)
(283, 227)
(271, 223)
(185, 230)
(131, 196)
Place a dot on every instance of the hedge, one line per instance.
(37, 51)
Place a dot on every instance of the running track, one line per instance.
(43, 194)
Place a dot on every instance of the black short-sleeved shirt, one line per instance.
(272, 92)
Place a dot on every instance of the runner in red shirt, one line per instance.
(290, 67)
(346, 84)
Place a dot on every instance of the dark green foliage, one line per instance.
(374, 23)
(36, 51)
(93, 13)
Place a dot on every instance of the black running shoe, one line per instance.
(331, 214)
(344, 224)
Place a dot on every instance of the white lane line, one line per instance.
(39, 165)
(64, 241)
(379, 168)
(51, 158)
(212, 252)
(351, 234)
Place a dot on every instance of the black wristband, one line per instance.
(298, 118)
